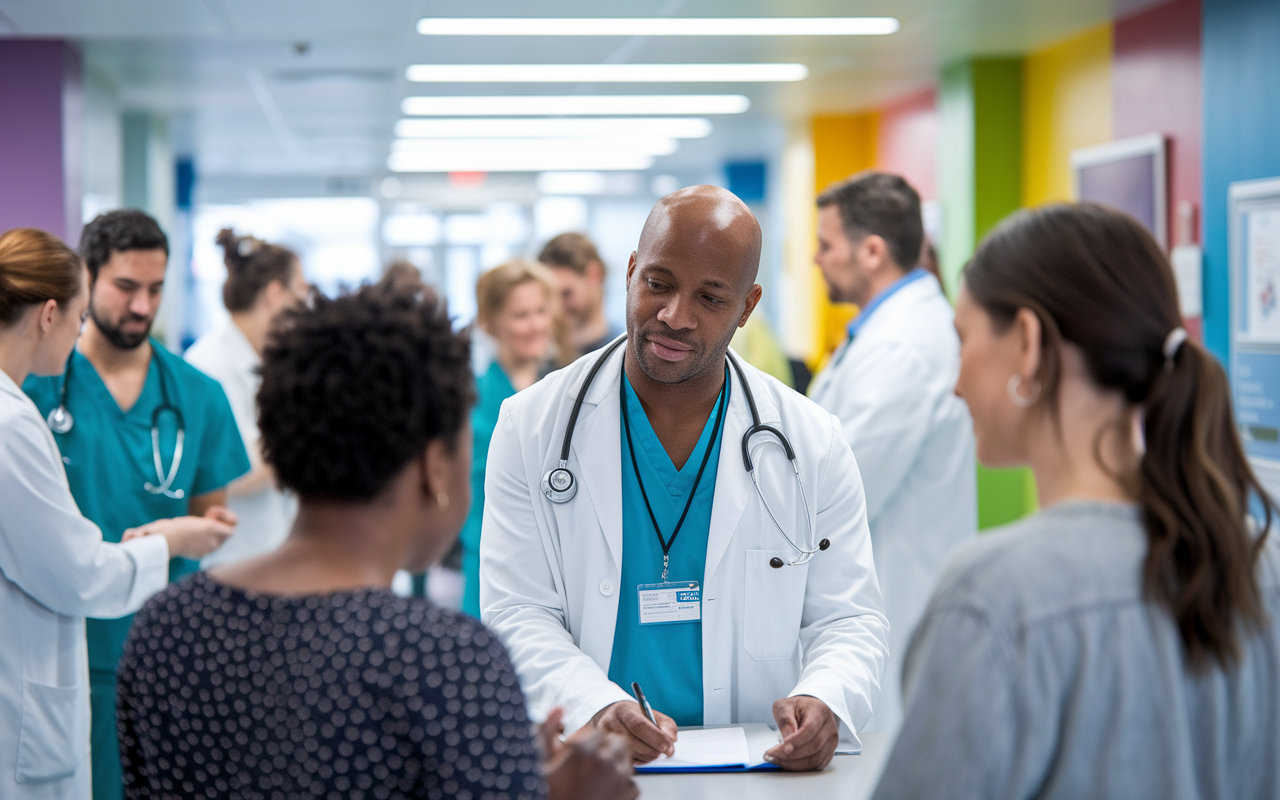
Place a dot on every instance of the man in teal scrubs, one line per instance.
(658, 495)
(119, 391)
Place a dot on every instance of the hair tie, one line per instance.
(1172, 344)
(246, 247)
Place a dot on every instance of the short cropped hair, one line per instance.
(354, 388)
(570, 251)
(118, 232)
(882, 204)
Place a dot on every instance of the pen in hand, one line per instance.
(644, 704)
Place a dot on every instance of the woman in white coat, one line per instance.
(54, 567)
(262, 281)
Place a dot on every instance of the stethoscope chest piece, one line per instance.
(558, 485)
(60, 420)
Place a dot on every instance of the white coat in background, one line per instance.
(265, 517)
(549, 573)
(55, 570)
(892, 390)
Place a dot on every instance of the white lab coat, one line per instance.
(893, 391)
(55, 570)
(549, 573)
(265, 517)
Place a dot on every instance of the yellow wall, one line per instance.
(1066, 103)
(842, 145)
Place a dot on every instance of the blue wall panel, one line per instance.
(1241, 132)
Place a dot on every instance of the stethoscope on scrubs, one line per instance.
(559, 484)
(60, 421)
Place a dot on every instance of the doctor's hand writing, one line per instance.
(190, 537)
(810, 733)
(645, 740)
(591, 764)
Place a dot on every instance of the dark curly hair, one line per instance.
(116, 232)
(353, 388)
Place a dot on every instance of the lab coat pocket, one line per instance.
(54, 738)
(774, 604)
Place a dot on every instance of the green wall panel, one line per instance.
(980, 183)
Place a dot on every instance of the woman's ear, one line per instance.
(1028, 330)
(46, 315)
(435, 465)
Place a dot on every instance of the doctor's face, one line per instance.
(840, 260)
(54, 349)
(683, 307)
(988, 358)
(125, 297)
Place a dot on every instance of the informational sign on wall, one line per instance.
(1255, 322)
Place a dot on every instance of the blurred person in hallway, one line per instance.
(579, 274)
(144, 435)
(516, 306)
(325, 683)
(1124, 642)
(262, 281)
(890, 385)
(55, 567)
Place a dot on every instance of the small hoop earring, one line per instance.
(1018, 400)
(442, 500)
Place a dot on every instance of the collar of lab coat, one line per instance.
(597, 445)
(9, 387)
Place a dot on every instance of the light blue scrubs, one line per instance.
(108, 457)
(665, 659)
(492, 388)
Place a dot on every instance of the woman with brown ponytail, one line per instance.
(1125, 641)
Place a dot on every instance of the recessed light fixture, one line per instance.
(495, 128)
(575, 105)
(660, 26)
(549, 161)
(653, 145)
(606, 73)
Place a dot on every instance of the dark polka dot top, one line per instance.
(351, 695)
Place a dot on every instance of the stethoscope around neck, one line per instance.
(559, 484)
(61, 422)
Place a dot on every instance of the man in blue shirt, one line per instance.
(144, 436)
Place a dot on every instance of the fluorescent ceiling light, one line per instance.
(605, 73)
(653, 145)
(572, 182)
(548, 161)
(570, 105)
(673, 127)
(660, 26)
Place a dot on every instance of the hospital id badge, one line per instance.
(678, 601)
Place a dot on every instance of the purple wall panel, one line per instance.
(1156, 83)
(34, 74)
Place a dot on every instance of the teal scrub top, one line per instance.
(665, 659)
(492, 388)
(108, 457)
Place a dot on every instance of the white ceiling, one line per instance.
(313, 87)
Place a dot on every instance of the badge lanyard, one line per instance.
(626, 420)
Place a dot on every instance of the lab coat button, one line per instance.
(606, 588)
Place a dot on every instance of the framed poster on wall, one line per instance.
(1255, 322)
(1129, 175)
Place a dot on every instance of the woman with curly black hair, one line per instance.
(298, 673)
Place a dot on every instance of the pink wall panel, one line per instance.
(1157, 89)
(907, 142)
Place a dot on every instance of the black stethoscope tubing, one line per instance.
(559, 484)
(61, 421)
